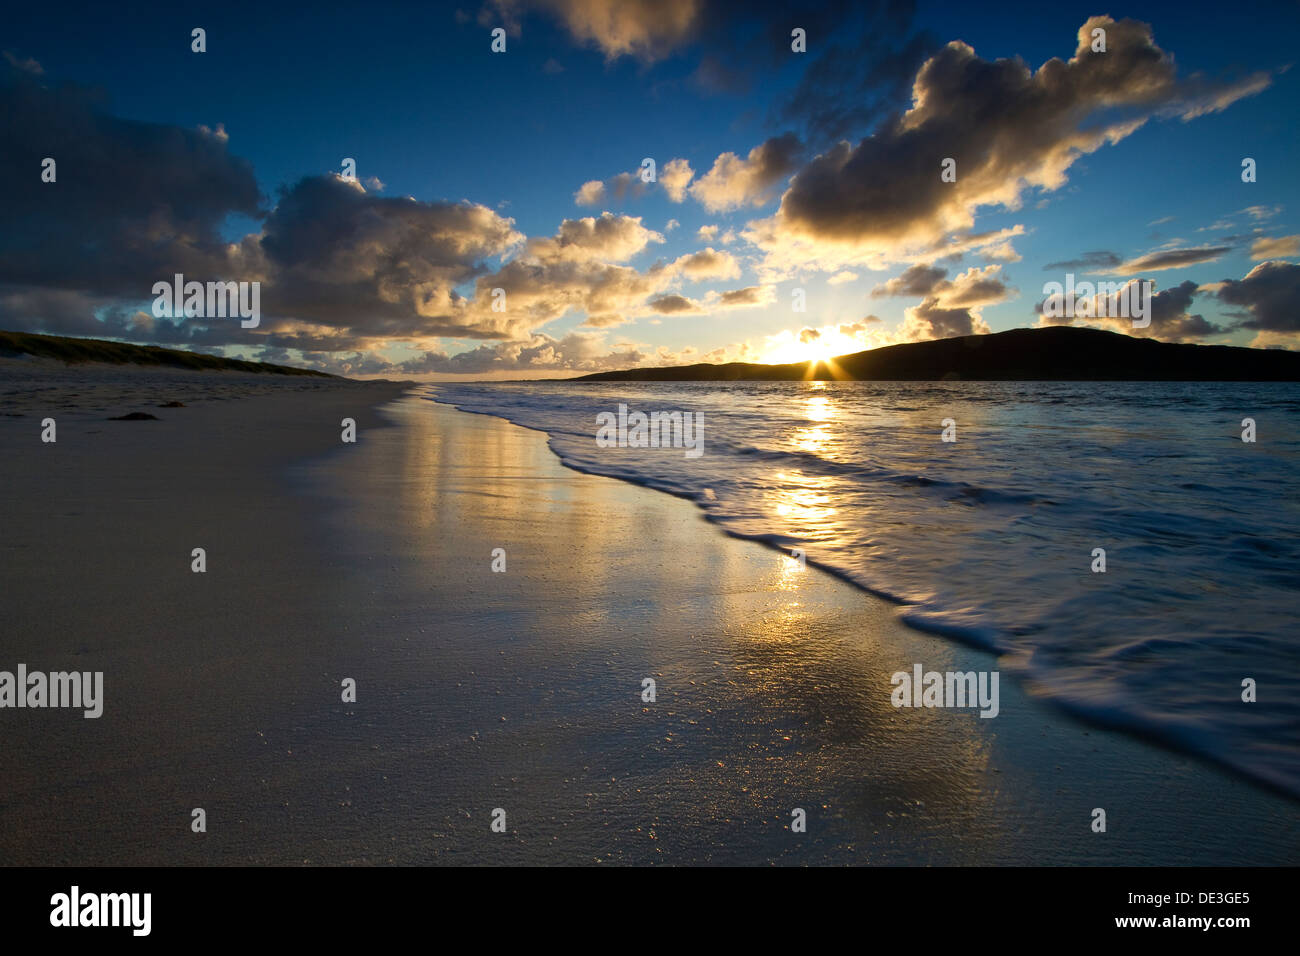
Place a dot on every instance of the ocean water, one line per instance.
(990, 539)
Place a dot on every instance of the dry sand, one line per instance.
(480, 690)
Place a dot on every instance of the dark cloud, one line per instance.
(972, 288)
(1171, 259)
(949, 306)
(858, 63)
(733, 182)
(1170, 319)
(135, 203)
(132, 203)
(932, 320)
(1270, 292)
(750, 295)
(28, 65)
(853, 84)
(915, 280)
(673, 305)
(1008, 128)
(858, 66)
(377, 266)
(1099, 261)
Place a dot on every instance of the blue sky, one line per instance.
(420, 101)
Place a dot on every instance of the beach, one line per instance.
(479, 690)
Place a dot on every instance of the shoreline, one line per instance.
(1033, 742)
(519, 690)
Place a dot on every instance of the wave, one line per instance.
(990, 540)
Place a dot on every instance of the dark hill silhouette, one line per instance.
(1059, 353)
(76, 351)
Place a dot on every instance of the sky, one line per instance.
(502, 221)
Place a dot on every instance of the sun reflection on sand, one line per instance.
(788, 577)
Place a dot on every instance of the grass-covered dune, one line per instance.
(80, 351)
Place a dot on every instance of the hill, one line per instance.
(1058, 353)
(77, 351)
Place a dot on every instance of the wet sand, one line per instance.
(520, 690)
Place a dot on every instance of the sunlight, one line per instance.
(788, 349)
(818, 345)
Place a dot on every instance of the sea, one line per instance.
(999, 536)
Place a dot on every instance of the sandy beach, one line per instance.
(478, 690)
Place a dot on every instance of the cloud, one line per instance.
(747, 297)
(973, 288)
(577, 352)
(840, 278)
(28, 65)
(733, 182)
(737, 40)
(1010, 129)
(540, 291)
(931, 320)
(648, 30)
(674, 177)
(603, 321)
(1262, 213)
(1171, 320)
(590, 193)
(376, 266)
(1264, 248)
(1100, 261)
(916, 280)
(133, 202)
(1270, 293)
(339, 268)
(854, 82)
(861, 56)
(69, 312)
(708, 264)
(674, 305)
(1171, 259)
(853, 328)
(707, 233)
(949, 306)
(608, 237)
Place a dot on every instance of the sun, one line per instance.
(823, 344)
